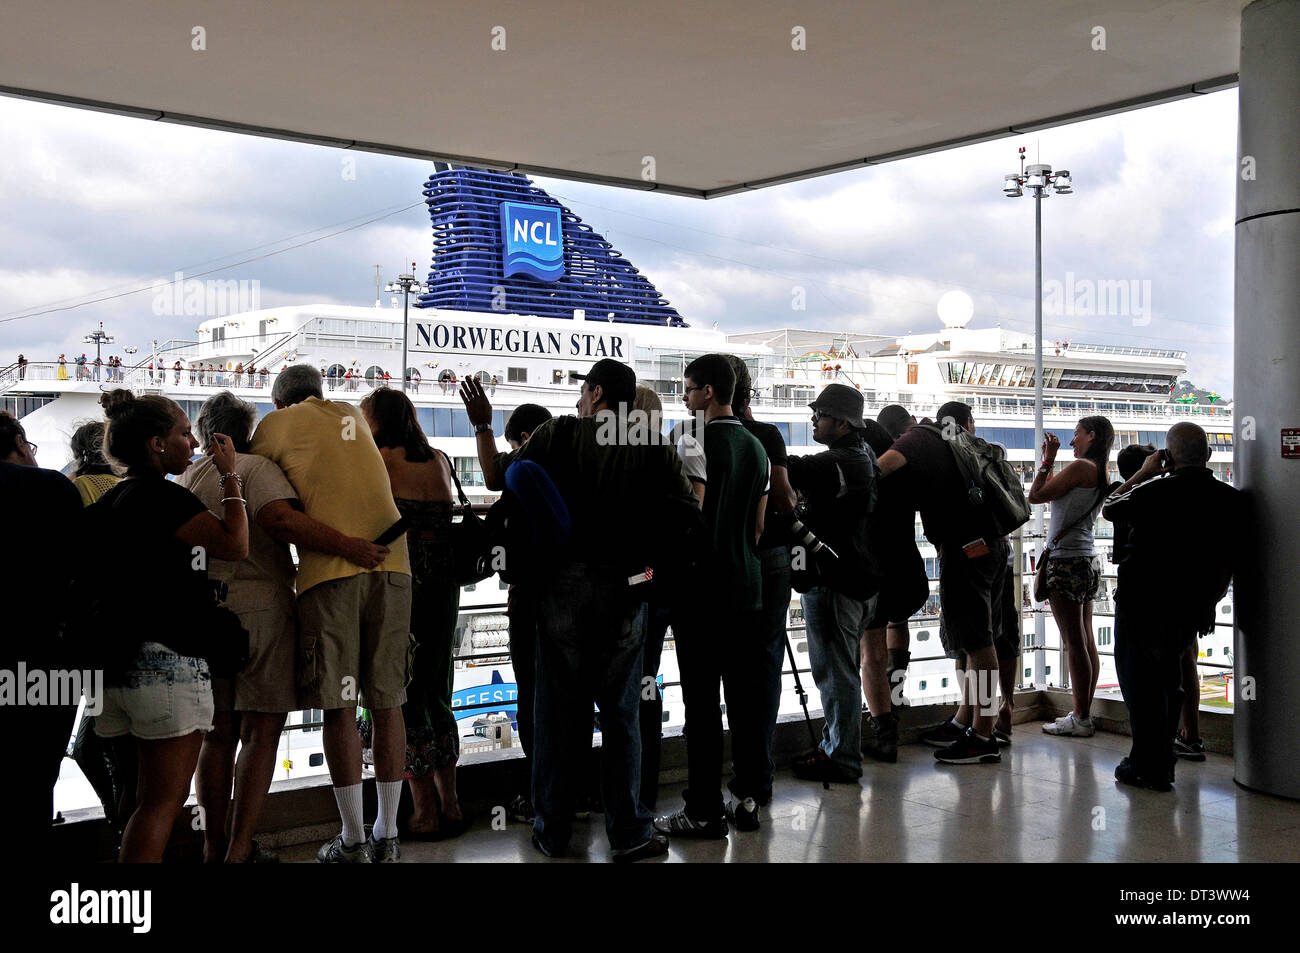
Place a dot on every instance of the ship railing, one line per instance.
(796, 629)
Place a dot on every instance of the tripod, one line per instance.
(803, 699)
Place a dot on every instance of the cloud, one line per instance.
(94, 201)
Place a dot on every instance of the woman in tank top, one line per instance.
(1073, 577)
(423, 491)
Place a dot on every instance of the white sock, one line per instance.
(958, 724)
(390, 793)
(982, 737)
(349, 801)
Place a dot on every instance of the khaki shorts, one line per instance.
(354, 642)
(268, 682)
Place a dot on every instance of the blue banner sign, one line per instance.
(506, 693)
(533, 240)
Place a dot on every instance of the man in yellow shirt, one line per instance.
(354, 623)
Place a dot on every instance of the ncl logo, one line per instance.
(533, 240)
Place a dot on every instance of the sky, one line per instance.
(96, 205)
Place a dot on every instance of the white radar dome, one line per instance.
(956, 309)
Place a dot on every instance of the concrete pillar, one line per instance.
(1267, 398)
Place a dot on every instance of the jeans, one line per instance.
(652, 708)
(754, 690)
(523, 658)
(1150, 679)
(835, 623)
(742, 651)
(589, 649)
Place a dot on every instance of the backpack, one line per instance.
(992, 485)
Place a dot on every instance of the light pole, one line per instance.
(1038, 179)
(98, 338)
(406, 284)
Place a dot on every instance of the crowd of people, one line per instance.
(611, 534)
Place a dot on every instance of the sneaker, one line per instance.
(656, 846)
(1002, 737)
(1189, 750)
(335, 853)
(943, 735)
(1125, 774)
(386, 850)
(547, 851)
(521, 810)
(818, 767)
(970, 749)
(682, 824)
(1070, 727)
(743, 813)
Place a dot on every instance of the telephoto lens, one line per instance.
(802, 535)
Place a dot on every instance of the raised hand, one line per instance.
(477, 405)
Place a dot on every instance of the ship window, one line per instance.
(483, 377)
(441, 422)
(923, 635)
(944, 683)
(316, 760)
(516, 375)
(922, 684)
(557, 377)
(312, 715)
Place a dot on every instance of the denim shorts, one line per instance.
(161, 695)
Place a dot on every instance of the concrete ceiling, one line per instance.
(712, 90)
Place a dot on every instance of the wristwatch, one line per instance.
(483, 428)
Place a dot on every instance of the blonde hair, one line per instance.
(647, 400)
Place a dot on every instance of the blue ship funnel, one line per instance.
(496, 248)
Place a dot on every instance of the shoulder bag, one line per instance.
(471, 543)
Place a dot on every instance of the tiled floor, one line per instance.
(1051, 799)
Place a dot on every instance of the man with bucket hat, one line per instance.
(838, 490)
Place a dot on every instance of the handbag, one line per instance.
(223, 642)
(471, 542)
(1040, 572)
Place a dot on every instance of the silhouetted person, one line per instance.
(1159, 612)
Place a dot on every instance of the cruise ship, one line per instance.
(520, 293)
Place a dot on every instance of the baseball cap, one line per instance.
(617, 380)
